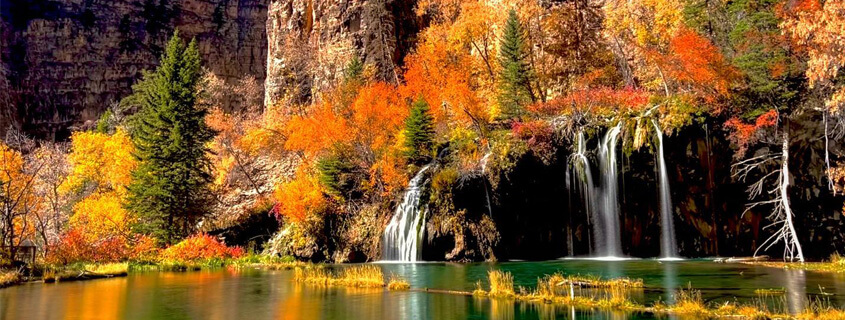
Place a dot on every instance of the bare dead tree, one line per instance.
(52, 214)
(772, 188)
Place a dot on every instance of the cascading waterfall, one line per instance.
(668, 246)
(403, 235)
(608, 243)
(582, 175)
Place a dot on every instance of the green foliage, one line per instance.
(337, 174)
(419, 132)
(170, 187)
(103, 125)
(516, 73)
(773, 75)
(354, 69)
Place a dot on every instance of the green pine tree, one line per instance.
(515, 76)
(354, 69)
(170, 187)
(337, 174)
(419, 132)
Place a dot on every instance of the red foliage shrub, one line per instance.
(73, 246)
(743, 134)
(200, 247)
(537, 133)
(595, 100)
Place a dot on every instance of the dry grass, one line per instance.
(111, 269)
(836, 264)
(479, 291)
(501, 284)
(689, 302)
(397, 284)
(358, 277)
(86, 272)
(9, 278)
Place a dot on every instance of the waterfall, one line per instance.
(403, 235)
(582, 177)
(668, 247)
(608, 243)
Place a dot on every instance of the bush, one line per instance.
(200, 247)
(74, 246)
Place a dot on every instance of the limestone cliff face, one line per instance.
(310, 42)
(63, 62)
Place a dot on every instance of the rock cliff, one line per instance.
(310, 42)
(62, 62)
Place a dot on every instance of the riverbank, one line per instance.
(93, 271)
(836, 264)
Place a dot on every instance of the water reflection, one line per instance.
(796, 290)
(273, 295)
(670, 281)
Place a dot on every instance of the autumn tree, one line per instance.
(18, 199)
(100, 169)
(52, 216)
(515, 77)
(170, 188)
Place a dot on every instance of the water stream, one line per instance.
(608, 243)
(403, 235)
(668, 245)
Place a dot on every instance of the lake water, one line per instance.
(270, 294)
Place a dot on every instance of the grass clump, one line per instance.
(501, 284)
(79, 271)
(689, 302)
(9, 278)
(479, 291)
(359, 277)
(397, 284)
(110, 269)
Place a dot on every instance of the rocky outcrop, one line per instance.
(67, 60)
(310, 42)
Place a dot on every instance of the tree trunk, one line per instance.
(792, 238)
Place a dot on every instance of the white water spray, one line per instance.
(608, 243)
(403, 235)
(668, 247)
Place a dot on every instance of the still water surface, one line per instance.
(269, 294)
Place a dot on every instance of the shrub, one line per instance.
(200, 247)
(74, 246)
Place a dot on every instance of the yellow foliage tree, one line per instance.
(101, 215)
(102, 160)
(17, 197)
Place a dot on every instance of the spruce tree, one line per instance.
(170, 188)
(515, 76)
(419, 132)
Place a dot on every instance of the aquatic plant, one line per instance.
(501, 284)
(358, 277)
(688, 302)
(397, 284)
